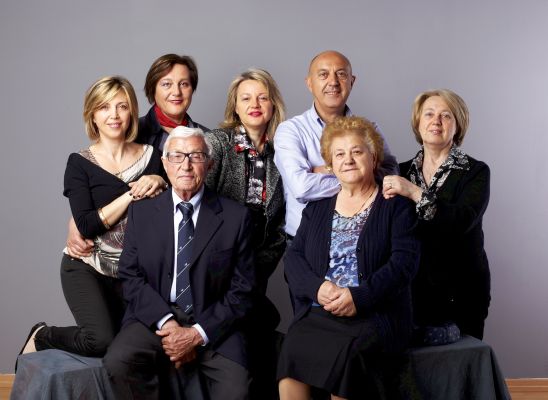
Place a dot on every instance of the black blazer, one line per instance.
(221, 273)
(388, 255)
(453, 282)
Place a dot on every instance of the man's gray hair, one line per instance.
(183, 132)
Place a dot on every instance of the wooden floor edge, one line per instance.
(514, 384)
(528, 385)
(6, 380)
(6, 383)
(527, 381)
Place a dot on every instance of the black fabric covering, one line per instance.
(467, 369)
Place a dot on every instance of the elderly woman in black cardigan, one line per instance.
(349, 270)
(451, 192)
(244, 171)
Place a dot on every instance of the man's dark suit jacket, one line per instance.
(221, 273)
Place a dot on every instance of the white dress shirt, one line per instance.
(196, 201)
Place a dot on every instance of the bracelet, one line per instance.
(104, 219)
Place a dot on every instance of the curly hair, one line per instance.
(359, 126)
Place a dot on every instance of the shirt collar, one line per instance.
(195, 200)
(318, 119)
(456, 159)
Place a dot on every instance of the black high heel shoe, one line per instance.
(31, 336)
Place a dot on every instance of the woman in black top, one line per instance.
(101, 182)
(451, 192)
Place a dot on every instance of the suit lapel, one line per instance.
(208, 223)
(165, 234)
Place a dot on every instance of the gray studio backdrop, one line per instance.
(494, 55)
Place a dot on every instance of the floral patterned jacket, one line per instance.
(228, 178)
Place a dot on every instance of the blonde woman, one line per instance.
(244, 171)
(100, 183)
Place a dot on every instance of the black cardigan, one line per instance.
(453, 282)
(388, 255)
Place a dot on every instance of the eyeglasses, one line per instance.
(178, 157)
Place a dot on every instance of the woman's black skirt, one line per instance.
(329, 352)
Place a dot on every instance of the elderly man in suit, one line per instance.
(188, 289)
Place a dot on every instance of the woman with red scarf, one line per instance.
(169, 86)
(170, 83)
(244, 171)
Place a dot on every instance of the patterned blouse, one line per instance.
(108, 246)
(426, 207)
(255, 169)
(343, 263)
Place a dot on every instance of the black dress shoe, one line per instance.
(29, 337)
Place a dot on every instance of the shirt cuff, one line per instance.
(161, 323)
(202, 333)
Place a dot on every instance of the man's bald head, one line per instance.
(330, 81)
(330, 54)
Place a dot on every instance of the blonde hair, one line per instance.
(103, 91)
(364, 129)
(456, 105)
(232, 120)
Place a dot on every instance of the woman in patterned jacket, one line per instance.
(244, 171)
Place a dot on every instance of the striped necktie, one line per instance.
(184, 254)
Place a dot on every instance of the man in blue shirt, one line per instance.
(297, 143)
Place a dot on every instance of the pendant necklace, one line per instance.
(366, 200)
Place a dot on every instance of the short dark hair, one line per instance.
(162, 65)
